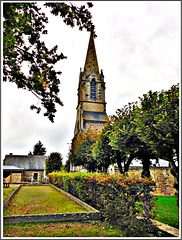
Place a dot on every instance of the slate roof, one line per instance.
(95, 116)
(28, 162)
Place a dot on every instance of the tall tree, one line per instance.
(81, 150)
(38, 149)
(158, 124)
(123, 137)
(23, 25)
(103, 152)
(54, 162)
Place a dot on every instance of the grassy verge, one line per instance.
(41, 200)
(167, 210)
(8, 191)
(64, 229)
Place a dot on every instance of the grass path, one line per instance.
(41, 200)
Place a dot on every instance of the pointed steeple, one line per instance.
(91, 58)
(91, 108)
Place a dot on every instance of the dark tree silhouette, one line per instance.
(23, 25)
(38, 149)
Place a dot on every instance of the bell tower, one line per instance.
(91, 108)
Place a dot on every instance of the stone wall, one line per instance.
(163, 178)
(94, 126)
(14, 177)
(94, 107)
(28, 175)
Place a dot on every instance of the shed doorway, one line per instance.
(35, 177)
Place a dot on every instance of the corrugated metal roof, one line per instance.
(95, 116)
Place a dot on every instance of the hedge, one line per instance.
(116, 196)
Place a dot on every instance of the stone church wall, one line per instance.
(94, 107)
(94, 126)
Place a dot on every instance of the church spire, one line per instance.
(91, 58)
(91, 108)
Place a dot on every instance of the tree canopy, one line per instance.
(54, 162)
(146, 130)
(38, 149)
(23, 26)
(81, 150)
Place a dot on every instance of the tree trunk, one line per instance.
(119, 166)
(146, 174)
(127, 165)
(146, 202)
(146, 168)
(175, 173)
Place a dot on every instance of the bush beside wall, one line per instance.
(116, 196)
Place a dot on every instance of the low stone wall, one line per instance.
(53, 217)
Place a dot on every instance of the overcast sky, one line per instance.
(138, 48)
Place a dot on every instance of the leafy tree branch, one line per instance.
(23, 26)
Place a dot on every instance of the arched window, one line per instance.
(93, 89)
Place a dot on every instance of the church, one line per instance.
(91, 108)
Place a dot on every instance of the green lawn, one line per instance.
(61, 229)
(7, 191)
(167, 210)
(41, 200)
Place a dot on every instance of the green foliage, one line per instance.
(23, 25)
(114, 196)
(67, 165)
(158, 125)
(124, 138)
(160, 116)
(38, 149)
(81, 150)
(103, 152)
(148, 130)
(54, 162)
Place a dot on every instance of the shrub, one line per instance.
(115, 196)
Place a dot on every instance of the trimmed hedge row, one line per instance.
(116, 197)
